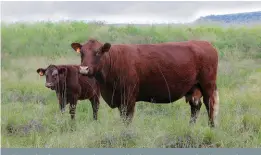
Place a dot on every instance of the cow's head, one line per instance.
(53, 75)
(91, 55)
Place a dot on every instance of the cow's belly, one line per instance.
(162, 92)
(156, 91)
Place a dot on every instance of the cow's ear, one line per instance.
(106, 47)
(41, 71)
(77, 47)
(62, 70)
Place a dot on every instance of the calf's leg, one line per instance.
(62, 102)
(72, 108)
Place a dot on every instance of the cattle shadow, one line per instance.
(186, 141)
(151, 109)
(24, 97)
(124, 139)
(24, 129)
(38, 126)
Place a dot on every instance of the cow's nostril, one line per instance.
(84, 69)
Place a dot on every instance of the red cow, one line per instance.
(164, 73)
(70, 86)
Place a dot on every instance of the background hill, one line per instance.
(244, 18)
(236, 18)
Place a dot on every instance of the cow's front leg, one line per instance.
(127, 112)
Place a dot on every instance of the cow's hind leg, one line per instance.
(211, 101)
(195, 109)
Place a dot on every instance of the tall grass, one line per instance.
(30, 114)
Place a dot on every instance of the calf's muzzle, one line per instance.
(48, 85)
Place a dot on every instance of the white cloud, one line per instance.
(120, 12)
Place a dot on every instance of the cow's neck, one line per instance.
(100, 77)
(106, 84)
(104, 69)
(106, 78)
(61, 88)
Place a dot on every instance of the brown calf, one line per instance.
(70, 86)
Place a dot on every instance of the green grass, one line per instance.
(30, 114)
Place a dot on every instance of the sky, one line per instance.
(121, 12)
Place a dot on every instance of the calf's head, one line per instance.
(91, 53)
(53, 75)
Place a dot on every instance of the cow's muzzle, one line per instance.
(84, 70)
(49, 85)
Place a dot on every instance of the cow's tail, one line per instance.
(216, 105)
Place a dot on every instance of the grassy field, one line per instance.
(30, 116)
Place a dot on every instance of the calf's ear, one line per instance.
(41, 71)
(77, 47)
(62, 70)
(106, 47)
